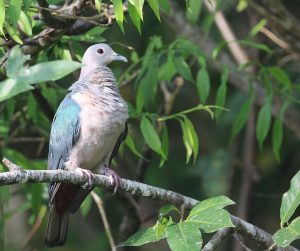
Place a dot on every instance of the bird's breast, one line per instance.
(101, 123)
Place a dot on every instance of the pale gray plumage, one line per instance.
(85, 134)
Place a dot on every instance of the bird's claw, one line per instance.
(115, 178)
(90, 176)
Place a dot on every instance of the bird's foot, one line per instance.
(115, 179)
(90, 176)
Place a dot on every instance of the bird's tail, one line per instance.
(57, 227)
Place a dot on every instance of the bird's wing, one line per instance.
(65, 132)
(121, 138)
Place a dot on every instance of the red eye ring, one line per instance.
(100, 51)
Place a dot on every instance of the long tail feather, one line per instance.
(57, 227)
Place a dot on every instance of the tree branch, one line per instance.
(217, 238)
(136, 188)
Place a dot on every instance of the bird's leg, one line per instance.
(90, 176)
(114, 177)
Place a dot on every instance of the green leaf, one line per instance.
(164, 210)
(130, 143)
(138, 4)
(154, 5)
(2, 15)
(285, 236)
(258, 27)
(290, 200)
(193, 137)
(134, 16)
(194, 12)
(241, 118)
(118, 9)
(186, 141)
(48, 71)
(24, 24)
(221, 93)
(212, 220)
(13, 33)
(142, 237)
(27, 4)
(15, 61)
(217, 202)
(151, 136)
(263, 123)
(98, 5)
(183, 68)
(281, 76)
(168, 69)
(203, 84)
(14, 10)
(184, 236)
(243, 4)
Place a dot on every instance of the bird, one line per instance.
(86, 132)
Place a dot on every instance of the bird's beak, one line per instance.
(119, 57)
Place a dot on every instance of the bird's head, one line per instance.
(99, 55)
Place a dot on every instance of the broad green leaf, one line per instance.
(164, 145)
(48, 71)
(168, 69)
(186, 140)
(183, 68)
(134, 16)
(290, 200)
(130, 143)
(142, 237)
(154, 4)
(138, 4)
(194, 12)
(285, 236)
(24, 24)
(98, 5)
(184, 236)
(92, 36)
(203, 84)
(151, 136)
(165, 5)
(2, 15)
(164, 210)
(217, 202)
(193, 137)
(212, 220)
(221, 93)
(118, 9)
(241, 118)
(13, 12)
(263, 123)
(281, 76)
(15, 61)
(277, 138)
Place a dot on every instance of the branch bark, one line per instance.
(135, 188)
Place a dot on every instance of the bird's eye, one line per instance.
(100, 51)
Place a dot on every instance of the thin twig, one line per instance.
(102, 213)
(217, 238)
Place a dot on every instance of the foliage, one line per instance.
(206, 217)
